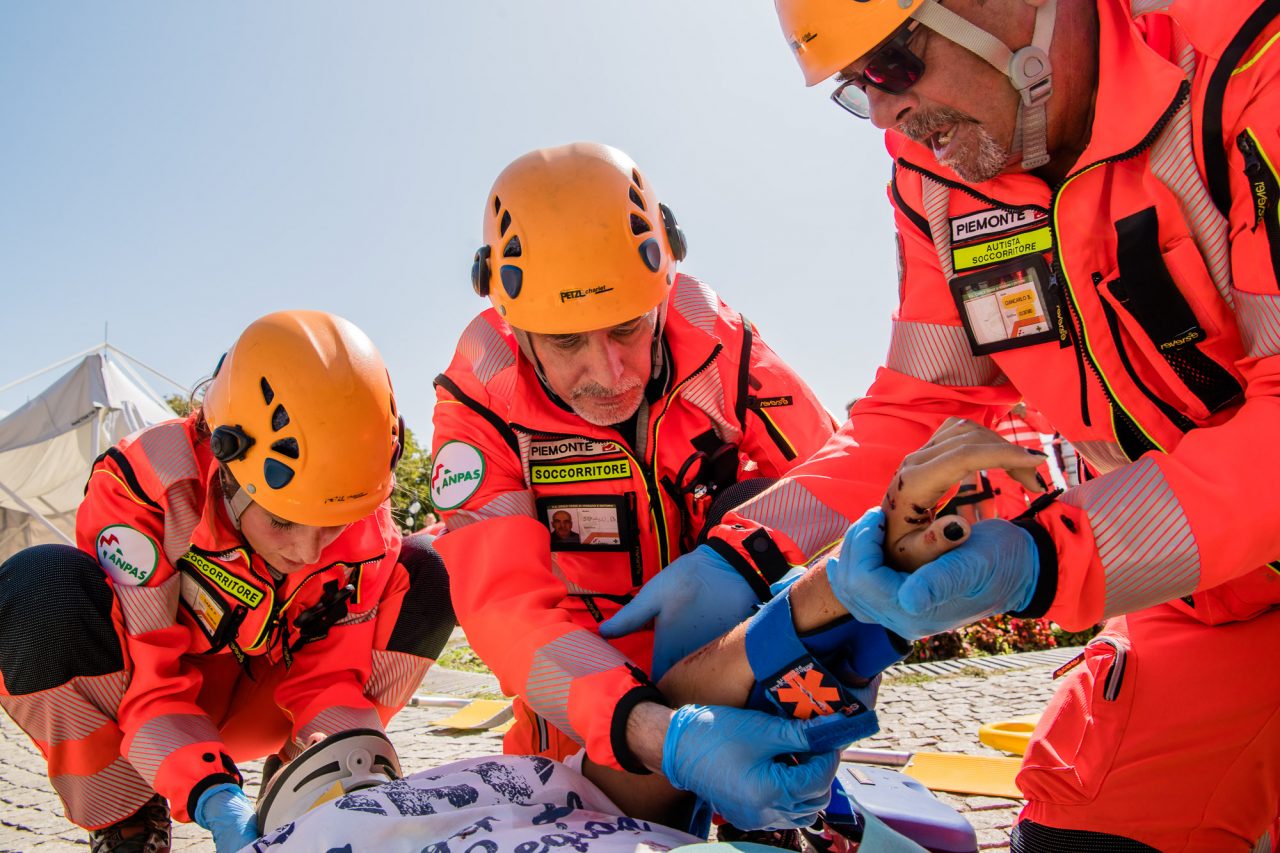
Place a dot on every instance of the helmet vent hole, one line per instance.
(512, 279)
(651, 254)
(635, 177)
(639, 225)
(286, 447)
(279, 419)
(276, 473)
(506, 223)
(636, 198)
(267, 394)
(512, 249)
(497, 205)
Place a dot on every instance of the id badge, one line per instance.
(587, 522)
(1007, 306)
(206, 608)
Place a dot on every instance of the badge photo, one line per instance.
(587, 523)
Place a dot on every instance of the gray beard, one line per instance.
(989, 160)
(974, 166)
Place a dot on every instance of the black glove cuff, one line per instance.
(193, 799)
(618, 728)
(1047, 582)
(763, 565)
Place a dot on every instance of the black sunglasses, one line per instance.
(891, 68)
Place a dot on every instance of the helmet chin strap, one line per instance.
(237, 504)
(656, 348)
(1028, 70)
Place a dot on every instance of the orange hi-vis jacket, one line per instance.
(188, 586)
(1135, 304)
(553, 523)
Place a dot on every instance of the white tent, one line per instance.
(48, 445)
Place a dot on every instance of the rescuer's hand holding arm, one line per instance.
(697, 597)
(701, 595)
(734, 760)
(915, 534)
(993, 571)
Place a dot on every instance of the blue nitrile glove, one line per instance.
(741, 763)
(228, 814)
(995, 571)
(695, 599)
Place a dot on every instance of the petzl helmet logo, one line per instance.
(128, 555)
(458, 472)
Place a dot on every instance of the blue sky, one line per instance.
(175, 170)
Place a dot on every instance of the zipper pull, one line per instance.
(1255, 171)
(1057, 299)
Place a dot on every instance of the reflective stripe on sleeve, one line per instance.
(502, 506)
(486, 350)
(149, 608)
(169, 453)
(394, 676)
(555, 666)
(161, 736)
(331, 721)
(695, 302)
(1144, 540)
(790, 507)
(940, 354)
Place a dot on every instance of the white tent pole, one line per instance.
(66, 360)
(175, 383)
(97, 433)
(33, 511)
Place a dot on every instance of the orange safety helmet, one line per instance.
(827, 35)
(302, 413)
(579, 239)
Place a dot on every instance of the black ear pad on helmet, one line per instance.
(480, 271)
(398, 450)
(229, 443)
(675, 234)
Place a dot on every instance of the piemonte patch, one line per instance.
(563, 448)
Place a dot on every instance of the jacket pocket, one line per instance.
(1265, 188)
(216, 619)
(1079, 735)
(1174, 335)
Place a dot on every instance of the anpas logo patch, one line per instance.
(127, 554)
(458, 472)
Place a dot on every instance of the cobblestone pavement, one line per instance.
(918, 711)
